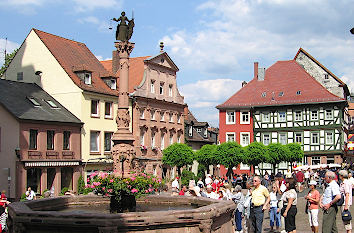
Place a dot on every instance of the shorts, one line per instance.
(313, 217)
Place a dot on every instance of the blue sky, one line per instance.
(214, 43)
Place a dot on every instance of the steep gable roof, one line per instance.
(324, 68)
(136, 70)
(287, 77)
(74, 56)
(15, 97)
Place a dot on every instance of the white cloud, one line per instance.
(22, 2)
(204, 95)
(89, 5)
(101, 25)
(10, 47)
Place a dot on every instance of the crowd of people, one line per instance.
(278, 194)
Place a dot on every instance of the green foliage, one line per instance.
(137, 184)
(206, 155)
(178, 154)
(80, 185)
(201, 171)
(64, 190)
(255, 153)
(277, 153)
(187, 176)
(23, 197)
(295, 152)
(44, 191)
(8, 59)
(229, 154)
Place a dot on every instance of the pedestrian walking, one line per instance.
(260, 200)
(328, 203)
(274, 211)
(289, 210)
(239, 199)
(346, 191)
(313, 200)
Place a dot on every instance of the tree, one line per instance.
(295, 152)
(178, 155)
(8, 59)
(229, 154)
(277, 153)
(206, 156)
(255, 153)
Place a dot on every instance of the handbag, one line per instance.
(346, 216)
(340, 202)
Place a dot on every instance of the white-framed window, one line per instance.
(153, 139)
(171, 117)
(199, 130)
(329, 137)
(162, 116)
(315, 160)
(330, 160)
(66, 140)
(315, 138)
(87, 78)
(266, 117)
(94, 141)
(298, 115)
(161, 88)
(142, 137)
(142, 113)
(95, 108)
(190, 131)
(152, 113)
(178, 118)
(50, 139)
(171, 139)
(329, 114)
(162, 141)
(33, 135)
(230, 117)
(245, 118)
(152, 86)
(314, 115)
(170, 92)
(230, 137)
(266, 139)
(282, 138)
(282, 116)
(108, 109)
(244, 138)
(298, 137)
(108, 141)
(113, 84)
(326, 76)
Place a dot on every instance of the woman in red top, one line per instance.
(313, 199)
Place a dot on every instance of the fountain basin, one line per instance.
(43, 215)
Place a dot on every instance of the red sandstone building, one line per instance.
(295, 101)
(39, 141)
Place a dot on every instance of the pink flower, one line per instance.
(159, 180)
(150, 190)
(146, 191)
(111, 181)
(153, 179)
(106, 194)
(110, 190)
(103, 188)
(133, 178)
(134, 190)
(92, 186)
(143, 174)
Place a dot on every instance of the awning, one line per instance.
(52, 164)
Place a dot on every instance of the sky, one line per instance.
(214, 43)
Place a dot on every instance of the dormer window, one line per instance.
(87, 78)
(326, 77)
(52, 104)
(298, 93)
(264, 94)
(190, 131)
(113, 84)
(34, 101)
(281, 94)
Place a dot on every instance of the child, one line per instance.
(274, 211)
(239, 199)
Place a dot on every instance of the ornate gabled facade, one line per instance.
(68, 71)
(286, 104)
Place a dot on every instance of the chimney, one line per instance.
(255, 69)
(115, 61)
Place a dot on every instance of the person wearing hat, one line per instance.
(346, 190)
(313, 200)
(175, 185)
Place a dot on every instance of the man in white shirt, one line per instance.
(208, 180)
(175, 185)
(209, 193)
(328, 203)
(30, 194)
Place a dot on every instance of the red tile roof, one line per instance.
(73, 56)
(136, 70)
(284, 76)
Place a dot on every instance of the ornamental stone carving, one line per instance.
(123, 118)
(123, 153)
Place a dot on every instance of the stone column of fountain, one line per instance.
(123, 151)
